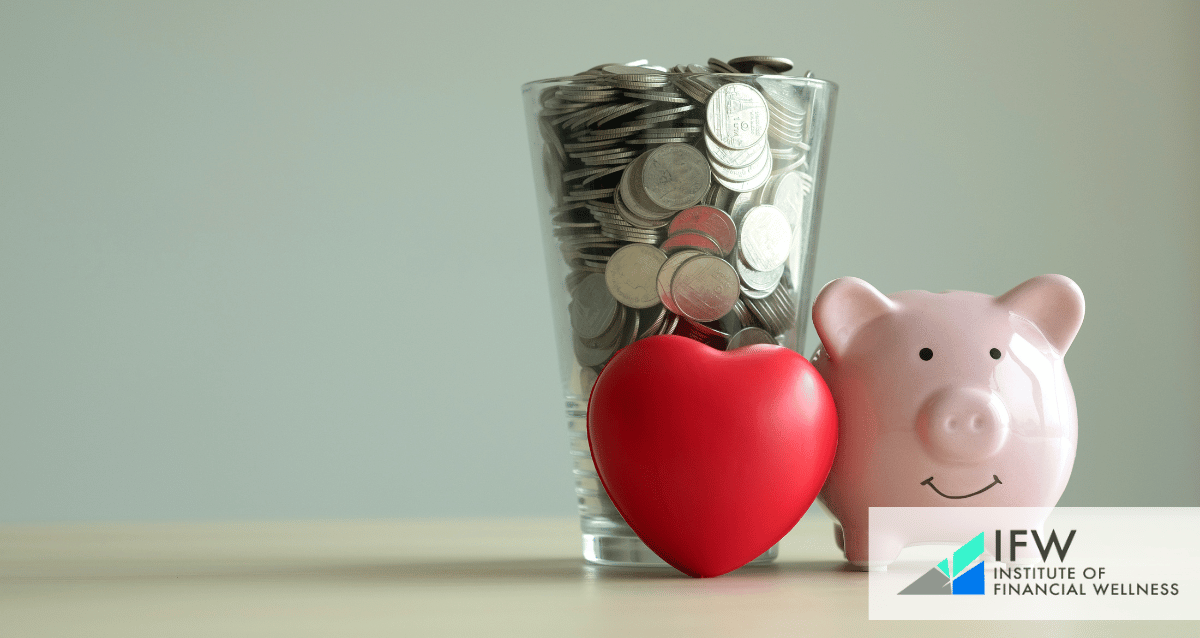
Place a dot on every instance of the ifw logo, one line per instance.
(955, 574)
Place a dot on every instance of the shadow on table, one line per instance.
(424, 572)
(576, 569)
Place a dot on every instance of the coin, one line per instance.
(721, 67)
(704, 288)
(633, 194)
(675, 176)
(653, 323)
(746, 173)
(752, 184)
(733, 159)
(737, 115)
(593, 309)
(591, 357)
(756, 281)
(611, 336)
(750, 336)
(692, 240)
(667, 272)
(764, 238)
(786, 192)
(711, 221)
(744, 64)
(632, 274)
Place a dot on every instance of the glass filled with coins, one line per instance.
(681, 200)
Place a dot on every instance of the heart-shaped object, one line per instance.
(710, 456)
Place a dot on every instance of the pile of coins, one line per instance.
(679, 200)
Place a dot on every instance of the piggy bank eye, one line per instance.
(926, 354)
(995, 353)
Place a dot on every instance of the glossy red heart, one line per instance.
(710, 456)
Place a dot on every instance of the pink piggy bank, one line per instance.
(945, 400)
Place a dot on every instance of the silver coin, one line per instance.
(583, 195)
(658, 96)
(670, 324)
(633, 194)
(632, 218)
(750, 293)
(737, 115)
(721, 67)
(672, 132)
(742, 313)
(692, 240)
(610, 159)
(786, 192)
(784, 96)
(590, 357)
(740, 203)
(658, 140)
(764, 238)
(745, 63)
(750, 336)
(773, 311)
(693, 89)
(711, 221)
(704, 288)
(797, 166)
(785, 137)
(653, 323)
(621, 112)
(705, 329)
(608, 170)
(609, 338)
(734, 159)
(678, 110)
(763, 315)
(758, 281)
(746, 173)
(667, 272)
(786, 154)
(629, 332)
(752, 184)
(571, 176)
(593, 309)
(632, 275)
(675, 176)
(713, 195)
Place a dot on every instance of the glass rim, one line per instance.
(791, 78)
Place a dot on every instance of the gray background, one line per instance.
(281, 260)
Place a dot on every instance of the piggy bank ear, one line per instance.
(843, 306)
(1053, 303)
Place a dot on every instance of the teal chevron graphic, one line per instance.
(952, 576)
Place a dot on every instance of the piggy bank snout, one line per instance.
(963, 425)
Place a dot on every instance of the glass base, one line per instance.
(607, 539)
(627, 551)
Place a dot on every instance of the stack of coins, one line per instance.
(679, 200)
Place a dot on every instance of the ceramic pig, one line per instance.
(945, 400)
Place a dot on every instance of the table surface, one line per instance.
(499, 577)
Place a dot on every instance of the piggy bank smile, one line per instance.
(929, 481)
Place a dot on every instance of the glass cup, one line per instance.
(641, 157)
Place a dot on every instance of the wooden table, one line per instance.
(493, 577)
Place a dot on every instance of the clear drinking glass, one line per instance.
(586, 135)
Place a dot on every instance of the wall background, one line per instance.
(281, 260)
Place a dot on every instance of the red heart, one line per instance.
(710, 456)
